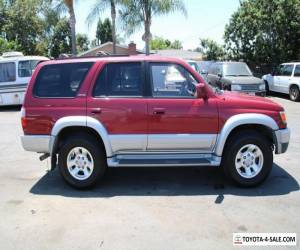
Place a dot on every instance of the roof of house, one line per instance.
(97, 48)
(179, 53)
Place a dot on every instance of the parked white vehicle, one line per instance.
(15, 73)
(286, 79)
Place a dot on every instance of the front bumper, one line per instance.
(37, 143)
(282, 139)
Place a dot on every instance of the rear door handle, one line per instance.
(159, 111)
(96, 111)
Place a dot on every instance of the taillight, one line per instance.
(23, 118)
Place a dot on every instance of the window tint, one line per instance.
(60, 80)
(26, 68)
(120, 79)
(170, 80)
(286, 70)
(297, 71)
(7, 72)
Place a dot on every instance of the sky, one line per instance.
(205, 19)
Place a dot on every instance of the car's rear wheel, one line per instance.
(248, 158)
(294, 93)
(82, 161)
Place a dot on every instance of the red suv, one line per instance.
(90, 114)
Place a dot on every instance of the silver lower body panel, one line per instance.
(164, 160)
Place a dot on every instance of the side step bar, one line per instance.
(159, 160)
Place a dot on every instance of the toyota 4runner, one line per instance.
(93, 113)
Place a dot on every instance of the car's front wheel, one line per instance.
(248, 158)
(82, 161)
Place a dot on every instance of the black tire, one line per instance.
(233, 146)
(294, 93)
(97, 153)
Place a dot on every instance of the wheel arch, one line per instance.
(263, 123)
(79, 124)
(294, 84)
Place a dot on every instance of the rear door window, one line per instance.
(120, 79)
(7, 72)
(61, 80)
(297, 71)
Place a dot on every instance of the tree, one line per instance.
(211, 50)
(22, 24)
(68, 5)
(99, 7)
(159, 43)
(61, 39)
(265, 32)
(104, 31)
(176, 44)
(137, 13)
(82, 42)
(6, 46)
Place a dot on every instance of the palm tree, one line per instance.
(99, 7)
(135, 13)
(68, 5)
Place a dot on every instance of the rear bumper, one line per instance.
(37, 143)
(282, 139)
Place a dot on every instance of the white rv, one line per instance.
(15, 73)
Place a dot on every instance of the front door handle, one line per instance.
(159, 111)
(96, 111)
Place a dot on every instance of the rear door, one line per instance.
(117, 101)
(177, 119)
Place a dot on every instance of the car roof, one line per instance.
(155, 58)
(290, 63)
(22, 58)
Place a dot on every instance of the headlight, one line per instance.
(262, 86)
(283, 117)
(236, 87)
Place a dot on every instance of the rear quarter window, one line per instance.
(60, 80)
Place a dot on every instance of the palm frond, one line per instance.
(98, 8)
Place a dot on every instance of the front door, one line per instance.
(117, 102)
(283, 77)
(177, 119)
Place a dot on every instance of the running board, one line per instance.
(160, 160)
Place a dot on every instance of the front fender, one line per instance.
(238, 120)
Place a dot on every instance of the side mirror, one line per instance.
(201, 91)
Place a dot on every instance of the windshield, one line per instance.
(236, 69)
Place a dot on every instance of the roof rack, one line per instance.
(97, 56)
